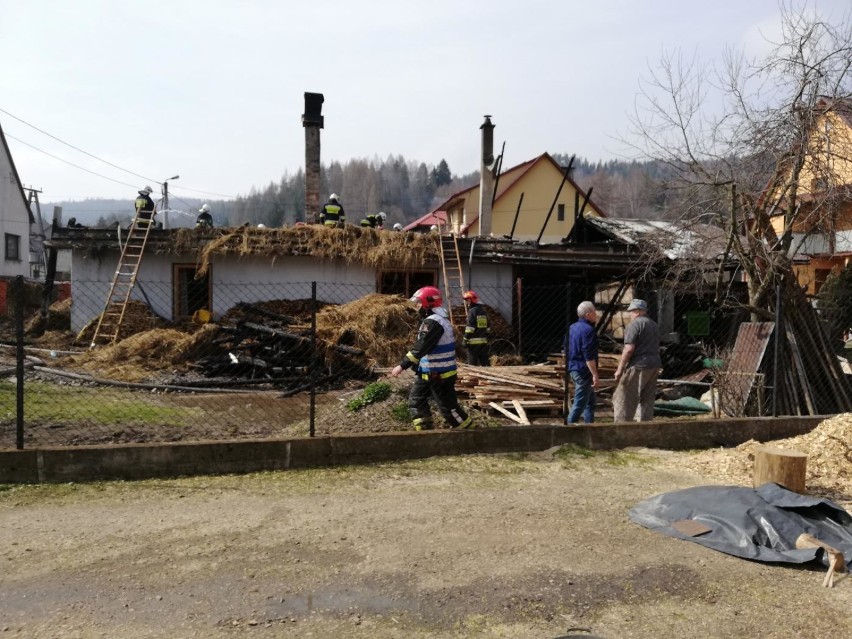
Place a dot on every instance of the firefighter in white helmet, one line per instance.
(332, 214)
(146, 210)
(204, 219)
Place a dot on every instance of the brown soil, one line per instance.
(481, 546)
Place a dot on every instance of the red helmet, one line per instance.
(428, 297)
(471, 296)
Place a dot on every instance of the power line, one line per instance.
(68, 144)
(56, 157)
(75, 148)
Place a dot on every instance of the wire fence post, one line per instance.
(19, 357)
(777, 350)
(313, 364)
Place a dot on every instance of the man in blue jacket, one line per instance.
(581, 362)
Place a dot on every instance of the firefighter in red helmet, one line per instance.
(476, 332)
(433, 357)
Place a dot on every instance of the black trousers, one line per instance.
(443, 391)
(477, 354)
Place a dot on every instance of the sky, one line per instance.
(213, 90)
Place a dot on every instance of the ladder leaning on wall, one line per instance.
(453, 280)
(123, 281)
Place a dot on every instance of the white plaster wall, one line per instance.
(14, 219)
(234, 279)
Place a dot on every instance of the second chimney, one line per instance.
(486, 180)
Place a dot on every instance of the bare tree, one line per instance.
(741, 143)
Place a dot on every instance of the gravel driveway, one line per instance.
(520, 546)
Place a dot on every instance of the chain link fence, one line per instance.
(272, 360)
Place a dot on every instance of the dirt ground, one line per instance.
(520, 546)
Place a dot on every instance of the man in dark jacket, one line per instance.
(433, 356)
(476, 332)
(145, 208)
(332, 214)
(581, 363)
(374, 221)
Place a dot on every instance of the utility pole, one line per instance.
(37, 252)
(166, 200)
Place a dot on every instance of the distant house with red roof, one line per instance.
(524, 197)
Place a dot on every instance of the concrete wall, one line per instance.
(140, 461)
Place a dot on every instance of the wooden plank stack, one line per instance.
(505, 388)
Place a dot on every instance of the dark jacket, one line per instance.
(332, 214)
(476, 331)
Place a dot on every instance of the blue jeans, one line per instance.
(584, 398)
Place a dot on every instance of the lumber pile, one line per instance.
(507, 388)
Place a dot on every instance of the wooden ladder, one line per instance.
(123, 281)
(453, 280)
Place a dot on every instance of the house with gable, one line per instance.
(536, 200)
(822, 236)
(15, 217)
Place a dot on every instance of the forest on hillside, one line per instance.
(404, 190)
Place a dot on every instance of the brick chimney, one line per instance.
(312, 120)
(486, 181)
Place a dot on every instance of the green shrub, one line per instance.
(375, 392)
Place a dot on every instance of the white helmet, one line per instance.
(397, 227)
(382, 216)
(147, 190)
(434, 227)
(333, 196)
(261, 226)
(205, 208)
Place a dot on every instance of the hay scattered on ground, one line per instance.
(381, 325)
(138, 318)
(134, 359)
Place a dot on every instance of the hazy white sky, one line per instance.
(213, 90)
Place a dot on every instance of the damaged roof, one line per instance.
(675, 240)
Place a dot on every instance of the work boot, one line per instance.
(468, 423)
(422, 423)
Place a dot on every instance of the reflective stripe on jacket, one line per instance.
(476, 331)
(442, 358)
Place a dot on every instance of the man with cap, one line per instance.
(639, 367)
(145, 209)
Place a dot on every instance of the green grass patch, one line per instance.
(53, 404)
(400, 412)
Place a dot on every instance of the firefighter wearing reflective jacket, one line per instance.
(476, 332)
(332, 214)
(433, 357)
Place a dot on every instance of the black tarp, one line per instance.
(761, 524)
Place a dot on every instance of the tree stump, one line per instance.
(784, 467)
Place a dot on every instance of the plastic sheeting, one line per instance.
(761, 524)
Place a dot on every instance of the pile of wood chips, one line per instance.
(829, 466)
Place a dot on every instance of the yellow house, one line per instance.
(525, 194)
(823, 238)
